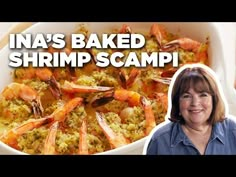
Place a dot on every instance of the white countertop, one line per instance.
(228, 35)
(4, 27)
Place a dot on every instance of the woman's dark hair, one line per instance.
(200, 80)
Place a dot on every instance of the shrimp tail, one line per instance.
(49, 145)
(54, 87)
(37, 107)
(108, 97)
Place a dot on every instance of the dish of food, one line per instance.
(94, 110)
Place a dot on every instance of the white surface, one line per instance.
(4, 27)
(223, 47)
(228, 37)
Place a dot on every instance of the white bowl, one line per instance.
(197, 31)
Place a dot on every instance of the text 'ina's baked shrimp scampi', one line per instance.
(91, 109)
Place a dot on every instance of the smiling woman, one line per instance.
(198, 117)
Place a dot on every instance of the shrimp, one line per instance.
(125, 29)
(127, 81)
(188, 44)
(165, 76)
(163, 99)
(73, 88)
(49, 145)
(149, 115)
(11, 136)
(115, 140)
(67, 51)
(169, 73)
(146, 105)
(16, 90)
(83, 146)
(46, 75)
(43, 74)
(184, 43)
(133, 98)
(159, 33)
(59, 115)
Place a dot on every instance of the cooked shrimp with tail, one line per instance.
(43, 74)
(59, 115)
(16, 90)
(46, 75)
(188, 44)
(131, 97)
(149, 115)
(11, 136)
(115, 139)
(70, 87)
(128, 80)
(83, 145)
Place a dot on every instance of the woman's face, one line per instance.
(195, 107)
